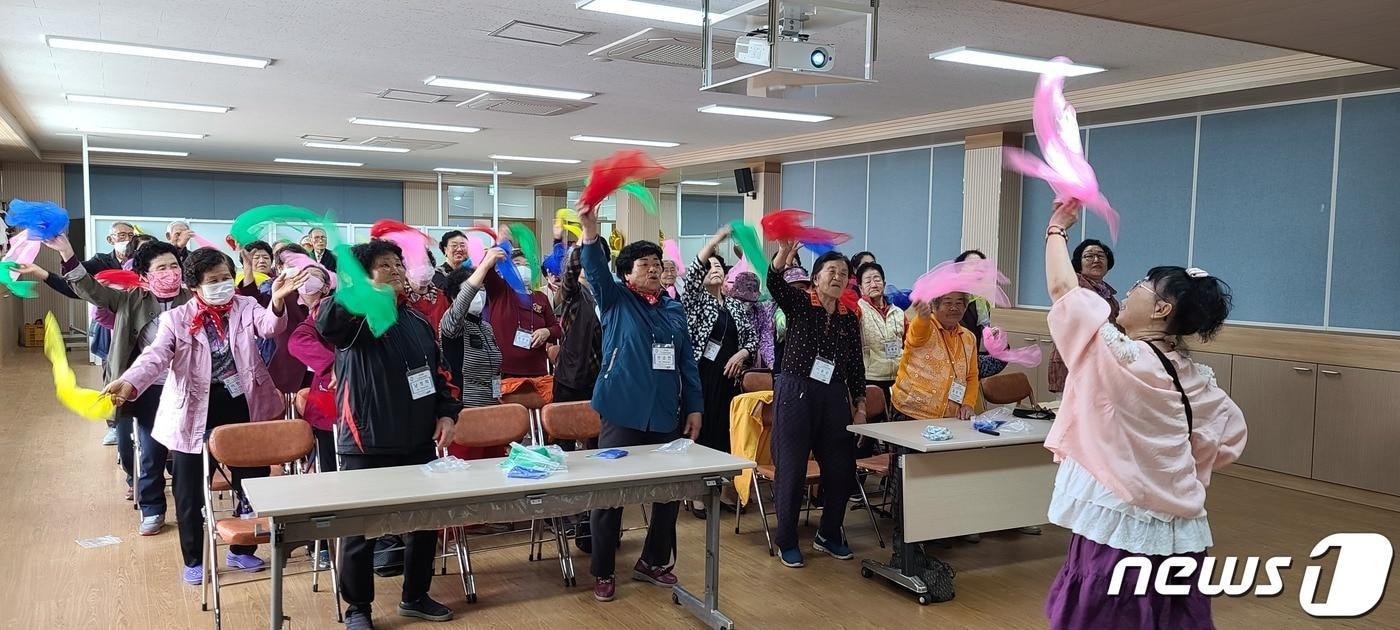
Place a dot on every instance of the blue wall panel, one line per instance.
(1262, 194)
(840, 203)
(1145, 171)
(945, 231)
(797, 185)
(899, 211)
(1036, 198)
(1366, 250)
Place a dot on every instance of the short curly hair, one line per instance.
(203, 260)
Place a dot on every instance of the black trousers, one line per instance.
(190, 480)
(357, 552)
(811, 417)
(150, 475)
(606, 524)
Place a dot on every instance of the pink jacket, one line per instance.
(184, 401)
(305, 343)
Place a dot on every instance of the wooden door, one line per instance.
(1277, 398)
(1356, 439)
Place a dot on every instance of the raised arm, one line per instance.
(93, 292)
(1059, 273)
(451, 326)
(594, 259)
(920, 326)
(785, 295)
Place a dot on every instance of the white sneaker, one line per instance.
(151, 525)
(111, 438)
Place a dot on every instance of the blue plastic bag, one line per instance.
(612, 453)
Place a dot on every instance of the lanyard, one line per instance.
(952, 364)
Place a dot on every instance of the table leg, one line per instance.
(905, 567)
(275, 587)
(708, 610)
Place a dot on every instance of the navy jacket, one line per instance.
(629, 393)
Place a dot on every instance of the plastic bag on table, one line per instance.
(530, 460)
(675, 446)
(450, 463)
(611, 453)
(992, 419)
(1015, 426)
(935, 433)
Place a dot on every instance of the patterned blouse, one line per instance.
(702, 311)
(481, 358)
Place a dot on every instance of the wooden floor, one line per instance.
(57, 485)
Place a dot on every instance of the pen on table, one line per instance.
(989, 432)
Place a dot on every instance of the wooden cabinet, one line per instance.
(1356, 439)
(1277, 398)
(1221, 363)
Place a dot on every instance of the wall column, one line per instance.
(992, 202)
(633, 220)
(766, 197)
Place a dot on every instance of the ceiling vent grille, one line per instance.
(661, 47)
(524, 105)
(539, 33)
(411, 96)
(316, 137)
(411, 144)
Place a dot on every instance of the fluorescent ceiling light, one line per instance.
(507, 88)
(473, 171)
(525, 158)
(321, 162)
(378, 122)
(136, 102)
(138, 151)
(763, 113)
(647, 10)
(353, 147)
(159, 52)
(972, 56)
(699, 182)
(457, 198)
(640, 143)
(109, 131)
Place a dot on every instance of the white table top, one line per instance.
(909, 434)
(357, 489)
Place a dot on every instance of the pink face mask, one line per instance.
(312, 286)
(165, 283)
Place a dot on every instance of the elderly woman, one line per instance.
(881, 337)
(204, 351)
(823, 378)
(668, 279)
(723, 340)
(1092, 260)
(938, 372)
(977, 317)
(1139, 433)
(759, 312)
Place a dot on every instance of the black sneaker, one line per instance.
(425, 608)
(359, 620)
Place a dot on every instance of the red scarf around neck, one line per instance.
(650, 298)
(212, 313)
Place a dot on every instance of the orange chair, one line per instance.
(485, 427)
(271, 443)
(574, 422)
(878, 465)
(1007, 388)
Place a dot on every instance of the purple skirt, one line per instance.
(1079, 596)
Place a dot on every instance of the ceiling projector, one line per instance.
(786, 54)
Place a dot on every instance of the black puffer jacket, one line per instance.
(376, 412)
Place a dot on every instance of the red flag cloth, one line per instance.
(119, 278)
(790, 225)
(610, 173)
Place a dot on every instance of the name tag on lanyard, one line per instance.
(893, 349)
(523, 339)
(822, 370)
(956, 391)
(235, 389)
(712, 350)
(496, 388)
(420, 383)
(663, 356)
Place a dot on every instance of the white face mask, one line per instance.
(217, 293)
(478, 304)
(524, 271)
(120, 247)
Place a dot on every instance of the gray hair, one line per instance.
(174, 224)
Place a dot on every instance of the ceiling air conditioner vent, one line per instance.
(539, 33)
(661, 47)
(512, 104)
(411, 144)
(411, 96)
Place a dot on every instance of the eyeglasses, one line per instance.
(394, 266)
(1146, 283)
(1094, 257)
(123, 236)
